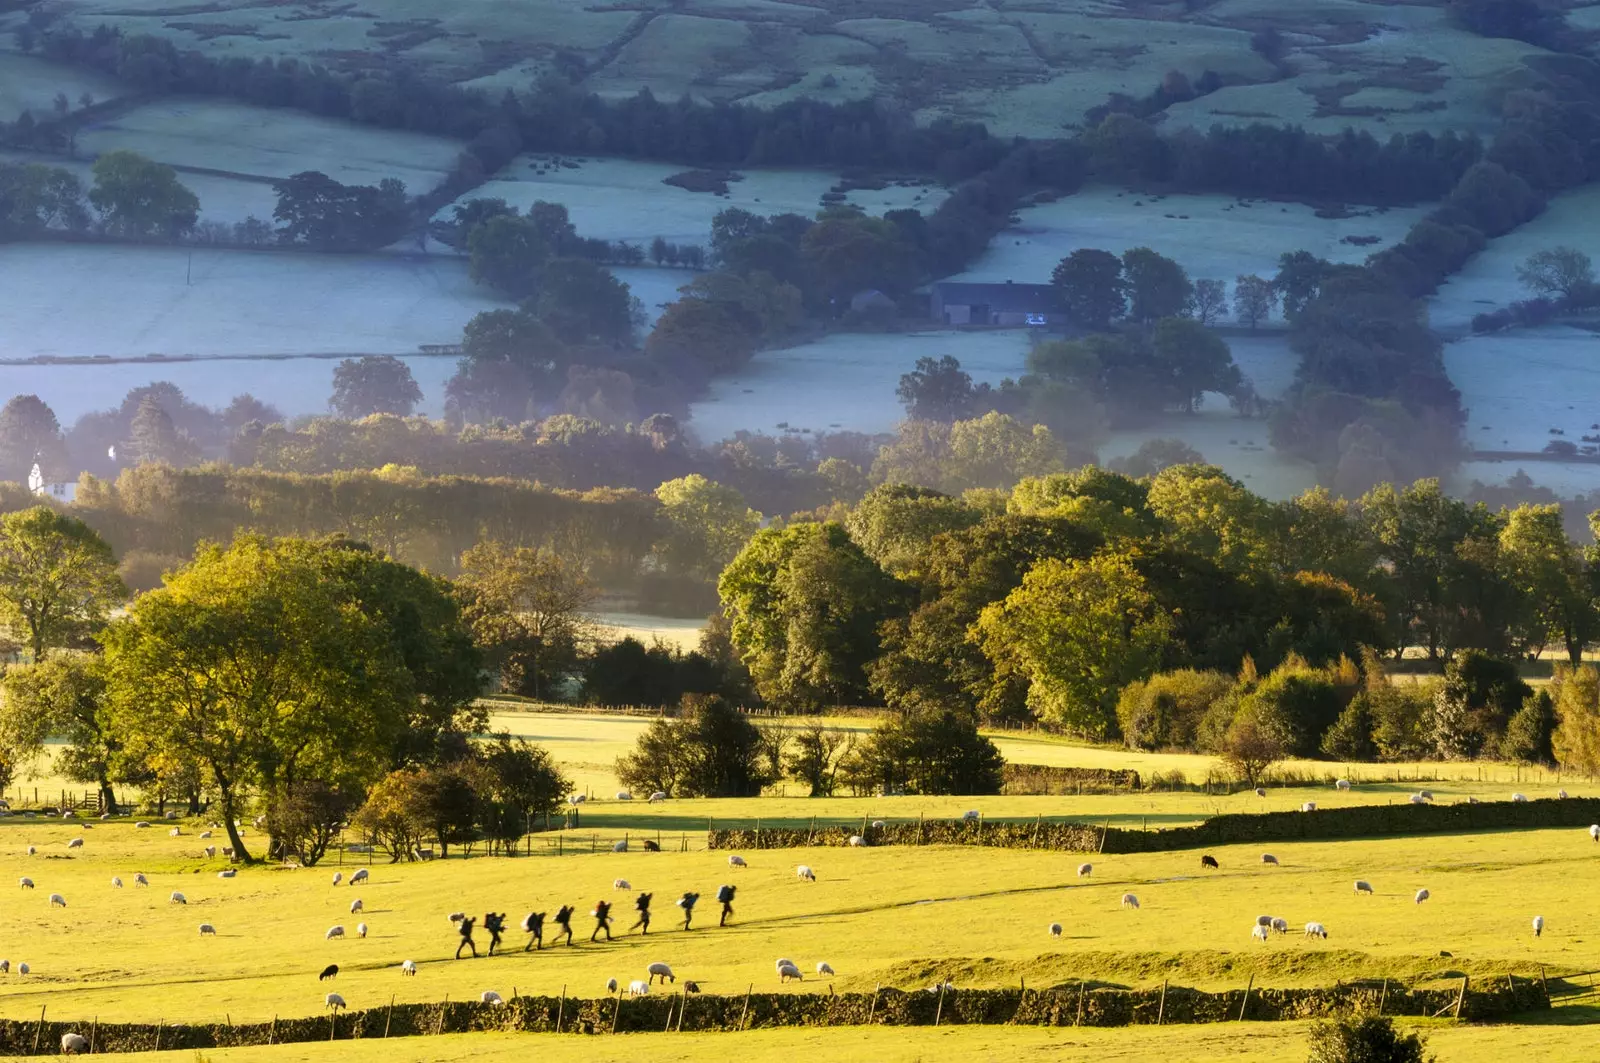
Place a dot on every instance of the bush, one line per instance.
(934, 751)
(1295, 705)
(1166, 709)
(1366, 1039)
(712, 751)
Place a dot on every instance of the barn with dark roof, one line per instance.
(1007, 304)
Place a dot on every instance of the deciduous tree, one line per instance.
(58, 578)
(374, 383)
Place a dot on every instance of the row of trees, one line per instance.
(131, 198)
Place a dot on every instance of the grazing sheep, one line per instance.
(1130, 901)
(971, 815)
(661, 971)
(23, 968)
(783, 961)
(141, 825)
(1538, 925)
(824, 968)
(75, 843)
(1341, 784)
(361, 930)
(57, 901)
(408, 967)
(611, 985)
(1562, 794)
(620, 884)
(32, 850)
(637, 988)
(1210, 861)
(857, 840)
(787, 971)
(175, 832)
(5, 966)
(574, 799)
(1422, 895)
(1085, 870)
(207, 928)
(338, 877)
(210, 851)
(690, 987)
(1055, 930)
(1594, 831)
(334, 1001)
(74, 1044)
(331, 971)
(1316, 930)
(140, 880)
(1260, 933)
(205, 835)
(489, 996)
(1363, 886)
(878, 824)
(1519, 798)
(169, 815)
(1268, 858)
(333, 932)
(1417, 799)
(623, 795)
(228, 872)
(738, 861)
(658, 797)
(651, 846)
(1280, 925)
(805, 872)
(360, 875)
(1309, 806)
(356, 906)
(116, 882)
(177, 898)
(227, 850)
(620, 847)
(25, 883)
(1261, 791)
(1264, 920)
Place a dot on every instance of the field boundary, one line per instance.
(1360, 821)
(1080, 1004)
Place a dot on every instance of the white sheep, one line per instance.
(169, 815)
(116, 882)
(738, 861)
(637, 988)
(661, 971)
(1426, 795)
(1130, 901)
(32, 850)
(57, 901)
(338, 877)
(356, 906)
(1562, 794)
(408, 967)
(141, 825)
(787, 971)
(1422, 895)
(804, 871)
(1309, 806)
(1417, 799)
(878, 824)
(361, 930)
(360, 875)
(1085, 870)
(140, 880)
(574, 799)
(623, 795)
(611, 985)
(175, 832)
(1261, 791)
(177, 898)
(1260, 933)
(1538, 925)
(1341, 784)
(1594, 831)
(334, 1001)
(207, 928)
(1519, 798)
(620, 846)
(658, 797)
(825, 968)
(23, 968)
(857, 840)
(783, 961)
(333, 932)
(1055, 930)
(620, 884)
(1268, 858)
(971, 815)
(25, 883)
(228, 872)
(1363, 886)
(210, 851)
(489, 996)
(75, 843)
(1316, 930)
(1280, 925)
(74, 1044)
(205, 835)
(1264, 920)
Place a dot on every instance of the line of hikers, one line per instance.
(533, 925)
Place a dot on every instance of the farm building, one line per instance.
(1008, 304)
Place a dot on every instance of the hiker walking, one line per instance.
(564, 922)
(725, 896)
(534, 927)
(602, 919)
(686, 902)
(643, 907)
(494, 923)
(464, 928)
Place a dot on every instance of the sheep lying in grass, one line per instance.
(74, 1044)
(141, 825)
(333, 932)
(1316, 930)
(57, 901)
(804, 871)
(408, 967)
(620, 846)
(661, 971)
(637, 988)
(1130, 901)
(207, 929)
(737, 861)
(228, 872)
(1363, 886)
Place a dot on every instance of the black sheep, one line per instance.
(330, 971)
(1209, 861)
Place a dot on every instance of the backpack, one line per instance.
(724, 894)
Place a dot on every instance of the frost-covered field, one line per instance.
(261, 141)
(623, 199)
(31, 84)
(1489, 280)
(73, 300)
(1519, 385)
(1215, 237)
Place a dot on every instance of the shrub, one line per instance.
(1365, 1039)
(712, 751)
(934, 751)
(1166, 710)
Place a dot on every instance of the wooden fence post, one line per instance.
(683, 1006)
(616, 1010)
(1383, 999)
(1462, 995)
(94, 1028)
(668, 1027)
(1245, 1003)
(1161, 1011)
(872, 1008)
(388, 1015)
(439, 1028)
(158, 1034)
(38, 1031)
(1103, 832)
(1081, 986)
(746, 1009)
(333, 1022)
(561, 1008)
(938, 1012)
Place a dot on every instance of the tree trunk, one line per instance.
(230, 821)
(108, 797)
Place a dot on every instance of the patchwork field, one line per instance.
(30, 84)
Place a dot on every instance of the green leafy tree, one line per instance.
(527, 608)
(712, 750)
(1157, 286)
(1350, 737)
(815, 757)
(1079, 631)
(936, 390)
(1165, 710)
(304, 818)
(707, 525)
(1475, 703)
(1547, 570)
(931, 751)
(1212, 514)
(508, 253)
(140, 198)
(582, 301)
(393, 814)
(58, 578)
(375, 383)
(155, 440)
(1092, 287)
(1250, 747)
(520, 783)
(713, 334)
(848, 254)
(315, 210)
(1529, 734)
(62, 698)
(29, 434)
(1576, 741)
(894, 523)
(1192, 360)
